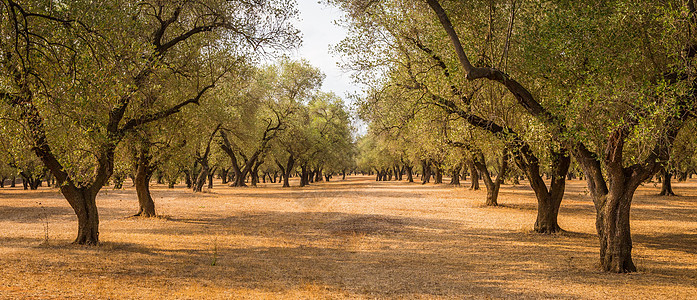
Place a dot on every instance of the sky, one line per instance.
(319, 33)
(316, 24)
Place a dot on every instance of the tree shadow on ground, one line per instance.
(385, 256)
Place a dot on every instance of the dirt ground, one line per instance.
(344, 239)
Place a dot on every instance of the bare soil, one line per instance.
(344, 239)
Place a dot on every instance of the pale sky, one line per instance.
(319, 32)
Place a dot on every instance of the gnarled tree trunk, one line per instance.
(474, 176)
(144, 172)
(426, 172)
(548, 200)
(612, 224)
(666, 186)
(455, 179)
(438, 178)
(492, 186)
(410, 173)
(83, 202)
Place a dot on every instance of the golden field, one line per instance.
(343, 239)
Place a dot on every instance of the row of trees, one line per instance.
(266, 126)
(609, 83)
(94, 93)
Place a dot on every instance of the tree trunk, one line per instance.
(83, 202)
(612, 224)
(304, 176)
(48, 178)
(35, 183)
(438, 178)
(410, 173)
(318, 175)
(475, 177)
(286, 170)
(142, 181)
(118, 182)
(210, 176)
(455, 179)
(666, 186)
(224, 175)
(201, 178)
(548, 200)
(254, 172)
(187, 179)
(681, 176)
(426, 171)
(492, 186)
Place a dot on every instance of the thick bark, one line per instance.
(666, 186)
(224, 175)
(548, 200)
(426, 171)
(210, 176)
(286, 170)
(410, 173)
(318, 175)
(48, 177)
(304, 175)
(187, 179)
(226, 146)
(612, 224)
(202, 160)
(118, 181)
(438, 177)
(474, 176)
(289, 168)
(254, 173)
(30, 181)
(144, 172)
(681, 176)
(83, 202)
(455, 177)
(201, 178)
(492, 186)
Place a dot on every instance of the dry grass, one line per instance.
(346, 239)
